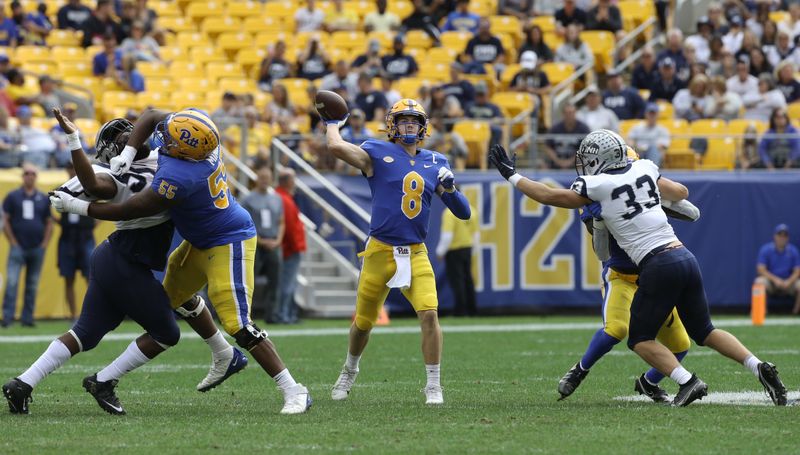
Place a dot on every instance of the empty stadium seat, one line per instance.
(602, 44)
(154, 98)
(679, 134)
(441, 55)
(347, 40)
(153, 69)
(476, 134)
(456, 40)
(218, 70)
(720, 155)
(557, 72)
(506, 24)
(418, 38)
(546, 23)
(214, 26)
(199, 11)
(177, 24)
(244, 9)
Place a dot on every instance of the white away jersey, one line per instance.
(139, 177)
(631, 206)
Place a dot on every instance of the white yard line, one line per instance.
(748, 398)
(478, 328)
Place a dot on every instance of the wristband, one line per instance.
(74, 141)
(514, 179)
(129, 152)
(80, 207)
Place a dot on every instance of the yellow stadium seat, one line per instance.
(403, 8)
(721, 154)
(441, 55)
(636, 10)
(72, 69)
(153, 69)
(213, 26)
(93, 84)
(32, 53)
(188, 69)
(237, 84)
(117, 99)
(665, 110)
(206, 54)
(181, 100)
(409, 86)
(243, 9)
(250, 58)
(418, 38)
(43, 123)
(63, 38)
(39, 68)
(218, 70)
(198, 11)
(347, 40)
(513, 103)
(173, 53)
(165, 8)
(553, 40)
(779, 16)
(476, 134)
(268, 39)
(625, 126)
(191, 39)
(382, 37)
(738, 126)
(69, 54)
(679, 160)
(155, 99)
(793, 110)
(506, 24)
(456, 40)
(508, 74)
(602, 44)
(160, 84)
(557, 72)
(281, 9)
(261, 99)
(509, 46)
(708, 128)
(439, 72)
(679, 134)
(360, 7)
(88, 128)
(196, 84)
(300, 40)
(177, 24)
(231, 43)
(546, 23)
(264, 24)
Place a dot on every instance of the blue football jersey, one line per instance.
(207, 214)
(619, 259)
(402, 187)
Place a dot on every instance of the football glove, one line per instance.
(66, 203)
(594, 210)
(499, 158)
(338, 123)
(122, 162)
(682, 210)
(447, 179)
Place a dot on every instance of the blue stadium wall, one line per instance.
(537, 257)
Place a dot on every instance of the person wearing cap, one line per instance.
(595, 115)
(63, 155)
(778, 266)
(648, 138)
(381, 20)
(780, 145)
(530, 79)
(785, 81)
(398, 64)
(28, 227)
(674, 51)
(702, 39)
(484, 109)
(37, 145)
(341, 76)
(309, 18)
(743, 83)
(484, 47)
(274, 66)
(356, 131)
(761, 105)
(461, 20)
(645, 72)
(459, 87)
(626, 102)
(370, 61)
(667, 83)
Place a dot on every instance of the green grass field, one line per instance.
(499, 375)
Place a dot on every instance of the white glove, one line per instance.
(122, 162)
(682, 210)
(66, 203)
(339, 123)
(447, 179)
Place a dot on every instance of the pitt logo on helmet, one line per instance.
(188, 134)
(406, 107)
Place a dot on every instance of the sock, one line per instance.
(218, 343)
(680, 375)
(654, 376)
(433, 375)
(50, 360)
(129, 360)
(599, 346)
(752, 364)
(284, 380)
(352, 361)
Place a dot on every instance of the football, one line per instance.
(330, 105)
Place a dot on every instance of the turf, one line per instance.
(500, 397)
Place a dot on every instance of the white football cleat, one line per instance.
(223, 366)
(296, 400)
(433, 395)
(343, 385)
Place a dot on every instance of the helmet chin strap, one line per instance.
(409, 138)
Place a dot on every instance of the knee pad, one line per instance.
(364, 324)
(250, 336)
(616, 330)
(167, 340)
(193, 308)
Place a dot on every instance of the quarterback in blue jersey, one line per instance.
(403, 179)
(218, 247)
(136, 247)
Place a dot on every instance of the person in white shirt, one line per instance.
(783, 49)
(595, 115)
(724, 105)
(690, 103)
(308, 19)
(759, 106)
(648, 138)
(702, 39)
(733, 39)
(381, 21)
(743, 82)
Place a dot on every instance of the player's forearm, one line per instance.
(145, 126)
(550, 196)
(129, 210)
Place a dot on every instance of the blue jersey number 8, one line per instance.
(413, 187)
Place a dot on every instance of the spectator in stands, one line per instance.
(421, 19)
(780, 145)
(5, 67)
(370, 62)
(595, 115)
(666, 85)
(229, 111)
(381, 20)
(645, 73)
(747, 149)
(701, 41)
(75, 247)
(733, 39)
(149, 17)
(758, 62)
(109, 60)
(778, 266)
(127, 16)
(762, 105)
(716, 56)
(674, 51)
(340, 18)
(692, 102)
(399, 64)
(9, 32)
(648, 138)
(128, 77)
(387, 86)
(33, 27)
(605, 16)
(534, 41)
(341, 77)
(448, 142)
(743, 83)
(265, 206)
(9, 141)
(793, 23)
(144, 48)
(570, 14)
(100, 24)
(313, 61)
(63, 155)
(294, 245)
(274, 66)
(749, 42)
(574, 50)
(522, 9)
(724, 105)
(47, 97)
(461, 20)
(73, 15)
(280, 106)
(257, 136)
(469, 65)
(486, 48)
(21, 94)
(530, 79)
(786, 82)
(565, 137)
(455, 250)
(308, 19)
(442, 105)
(482, 108)
(624, 101)
(369, 100)
(37, 145)
(770, 35)
(356, 131)
(28, 227)
(458, 87)
(783, 49)
(717, 18)
(755, 22)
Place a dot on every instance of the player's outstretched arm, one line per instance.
(144, 127)
(539, 192)
(100, 186)
(345, 151)
(672, 190)
(143, 204)
(452, 198)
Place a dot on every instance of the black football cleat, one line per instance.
(570, 382)
(651, 391)
(103, 392)
(768, 375)
(695, 389)
(18, 395)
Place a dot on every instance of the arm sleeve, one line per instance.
(579, 186)
(457, 203)
(600, 240)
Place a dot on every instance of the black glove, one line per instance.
(499, 158)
